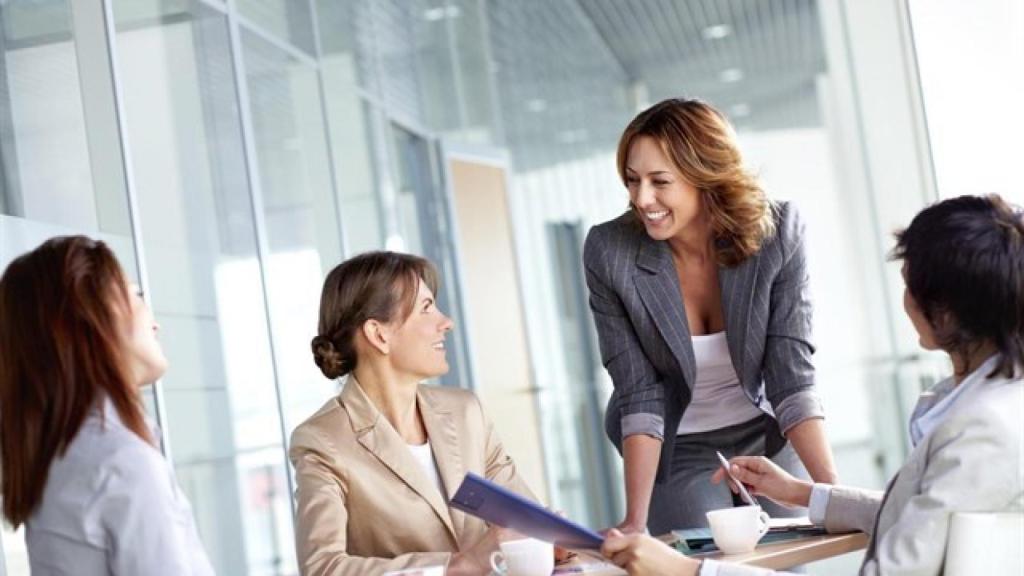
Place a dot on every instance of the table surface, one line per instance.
(782, 555)
(775, 556)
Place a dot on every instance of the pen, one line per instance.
(743, 491)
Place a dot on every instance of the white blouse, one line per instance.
(718, 399)
(111, 506)
(424, 456)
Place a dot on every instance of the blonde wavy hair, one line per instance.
(701, 144)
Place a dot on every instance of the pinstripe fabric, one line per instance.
(645, 339)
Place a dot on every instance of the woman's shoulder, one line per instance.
(321, 429)
(613, 234)
(990, 415)
(788, 223)
(786, 238)
(103, 445)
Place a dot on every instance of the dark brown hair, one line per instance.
(964, 266)
(61, 306)
(701, 144)
(374, 285)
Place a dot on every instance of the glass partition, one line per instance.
(196, 214)
(299, 211)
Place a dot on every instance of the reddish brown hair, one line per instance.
(61, 306)
(701, 144)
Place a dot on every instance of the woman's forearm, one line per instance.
(808, 439)
(640, 455)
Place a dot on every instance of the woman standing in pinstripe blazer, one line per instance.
(699, 293)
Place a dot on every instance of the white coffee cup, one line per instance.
(737, 530)
(526, 557)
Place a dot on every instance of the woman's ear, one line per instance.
(377, 335)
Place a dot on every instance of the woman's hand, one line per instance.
(476, 560)
(762, 477)
(640, 555)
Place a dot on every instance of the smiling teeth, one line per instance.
(439, 346)
(656, 215)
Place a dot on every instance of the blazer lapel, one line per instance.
(658, 286)
(737, 286)
(376, 434)
(444, 440)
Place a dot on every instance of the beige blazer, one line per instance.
(971, 462)
(364, 504)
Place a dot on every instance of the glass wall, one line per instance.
(184, 133)
(239, 154)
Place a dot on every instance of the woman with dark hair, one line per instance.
(80, 467)
(700, 297)
(376, 466)
(963, 266)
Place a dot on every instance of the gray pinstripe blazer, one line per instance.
(645, 338)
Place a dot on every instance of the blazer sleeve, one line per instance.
(973, 465)
(499, 466)
(852, 509)
(641, 395)
(321, 518)
(788, 370)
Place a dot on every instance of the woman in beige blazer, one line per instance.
(963, 265)
(375, 467)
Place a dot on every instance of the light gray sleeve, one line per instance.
(852, 509)
(797, 407)
(647, 424)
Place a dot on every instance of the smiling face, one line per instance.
(145, 357)
(417, 343)
(663, 200)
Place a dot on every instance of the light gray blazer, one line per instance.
(971, 462)
(645, 338)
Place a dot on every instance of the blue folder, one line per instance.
(494, 504)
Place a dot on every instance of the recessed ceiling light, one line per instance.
(739, 110)
(730, 75)
(536, 105)
(716, 32)
(440, 13)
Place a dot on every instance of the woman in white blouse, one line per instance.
(81, 468)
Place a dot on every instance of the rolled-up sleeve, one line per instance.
(640, 394)
(788, 370)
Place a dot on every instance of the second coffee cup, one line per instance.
(526, 557)
(737, 530)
